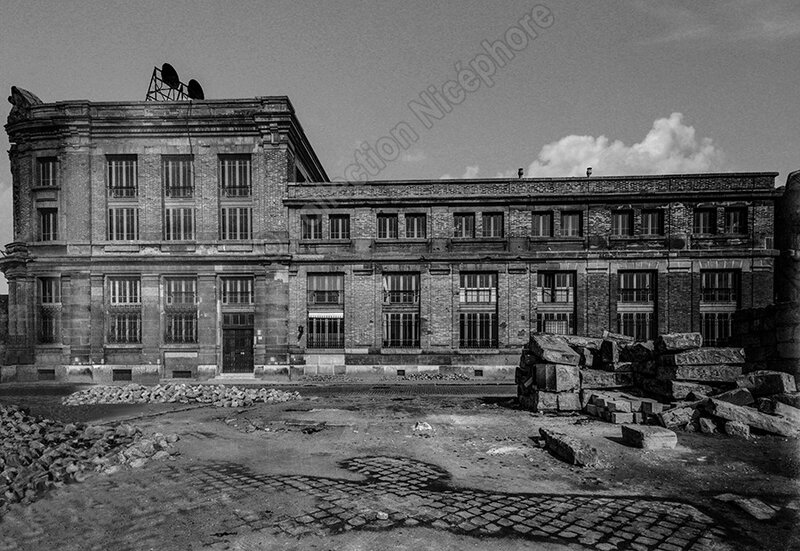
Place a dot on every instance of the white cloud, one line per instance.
(669, 147)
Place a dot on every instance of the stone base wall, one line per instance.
(770, 337)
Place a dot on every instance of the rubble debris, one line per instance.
(764, 383)
(621, 408)
(753, 418)
(421, 428)
(568, 401)
(756, 508)
(673, 390)
(627, 339)
(557, 377)
(788, 398)
(701, 373)
(569, 449)
(598, 379)
(707, 426)
(218, 395)
(678, 417)
(773, 407)
(704, 356)
(678, 342)
(738, 396)
(649, 437)
(638, 352)
(737, 429)
(425, 376)
(552, 349)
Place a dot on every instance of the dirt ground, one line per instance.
(485, 444)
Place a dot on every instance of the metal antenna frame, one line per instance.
(161, 91)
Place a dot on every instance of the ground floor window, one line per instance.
(401, 330)
(559, 323)
(49, 325)
(639, 325)
(125, 327)
(181, 327)
(716, 327)
(325, 332)
(478, 330)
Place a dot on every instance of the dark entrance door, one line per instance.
(237, 350)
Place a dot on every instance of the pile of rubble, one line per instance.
(39, 454)
(548, 376)
(217, 395)
(423, 376)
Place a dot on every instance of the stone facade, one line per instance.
(289, 273)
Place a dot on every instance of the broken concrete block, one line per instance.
(700, 373)
(752, 417)
(619, 337)
(765, 383)
(557, 377)
(619, 366)
(639, 417)
(582, 342)
(771, 406)
(569, 449)
(609, 351)
(569, 401)
(738, 396)
(704, 356)
(591, 409)
(638, 352)
(649, 438)
(545, 401)
(678, 342)
(586, 354)
(651, 407)
(756, 508)
(707, 426)
(737, 429)
(553, 349)
(677, 390)
(788, 398)
(620, 406)
(676, 417)
(619, 417)
(595, 378)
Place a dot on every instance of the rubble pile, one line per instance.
(548, 376)
(619, 408)
(39, 454)
(423, 376)
(217, 395)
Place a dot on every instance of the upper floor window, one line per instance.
(387, 226)
(310, 226)
(122, 178)
(339, 226)
(180, 291)
(236, 223)
(50, 290)
(622, 223)
(123, 224)
(636, 287)
(176, 173)
(47, 171)
(235, 175)
(464, 225)
(719, 286)
(652, 222)
(178, 224)
(542, 224)
(705, 221)
(492, 224)
(325, 289)
(237, 290)
(571, 224)
(401, 288)
(736, 220)
(416, 226)
(556, 287)
(478, 287)
(124, 291)
(48, 224)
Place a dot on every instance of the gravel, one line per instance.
(217, 395)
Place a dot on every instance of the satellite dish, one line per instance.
(170, 76)
(195, 91)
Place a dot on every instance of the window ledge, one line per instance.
(122, 346)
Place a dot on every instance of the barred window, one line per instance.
(125, 327)
(48, 224)
(236, 223)
(559, 323)
(177, 175)
(556, 287)
(636, 287)
(310, 226)
(639, 325)
(571, 224)
(736, 220)
(492, 224)
(325, 330)
(325, 289)
(339, 226)
(237, 290)
(622, 223)
(478, 287)
(123, 224)
(477, 330)
(416, 226)
(464, 225)
(719, 286)
(542, 224)
(705, 221)
(47, 171)
(387, 226)
(49, 314)
(180, 327)
(125, 315)
(178, 224)
(180, 292)
(124, 291)
(122, 175)
(235, 175)
(653, 222)
(401, 288)
(716, 328)
(401, 330)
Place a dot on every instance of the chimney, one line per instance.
(588, 171)
(520, 173)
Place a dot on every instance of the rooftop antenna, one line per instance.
(165, 85)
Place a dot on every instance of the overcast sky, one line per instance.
(624, 86)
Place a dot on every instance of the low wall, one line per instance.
(770, 337)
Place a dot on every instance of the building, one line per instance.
(193, 239)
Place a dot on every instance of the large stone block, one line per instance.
(766, 383)
(648, 437)
(753, 418)
(609, 351)
(704, 356)
(701, 373)
(552, 349)
(674, 390)
(595, 378)
(738, 396)
(569, 449)
(557, 377)
(582, 342)
(678, 342)
(638, 352)
(678, 417)
(788, 398)
(569, 401)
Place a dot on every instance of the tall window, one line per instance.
(49, 322)
(123, 224)
(736, 220)
(48, 224)
(652, 222)
(557, 322)
(716, 327)
(178, 224)
(401, 329)
(705, 221)
(478, 287)
(401, 310)
(325, 311)
(636, 305)
(477, 329)
(719, 300)
(719, 286)
(464, 225)
(339, 226)
(325, 330)
(636, 287)
(235, 175)
(556, 287)
(237, 290)
(125, 313)
(47, 171)
(236, 223)
(416, 226)
(122, 175)
(571, 224)
(325, 289)
(477, 318)
(401, 288)
(556, 302)
(180, 308)
(310, 226)
(542, 224)
(622, 223)
(492, 223)
(176, 174)
(639, 325)
(387, 226)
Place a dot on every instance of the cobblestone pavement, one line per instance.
(403, 492)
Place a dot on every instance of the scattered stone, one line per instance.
(678, 417)
(583, 342)
(638, 352)
(752, 418)
(707, 426)
(569, 401)
(676, 390)
(788, 398)
(765, 383)
(619, 337)
(700, 373)
(557, 377)
(726, 497)
(738, 396)
(704, 356)
(218, 395)
(421, 428)
(756, 508)
(569, 449)
(648, 437)
(382, 515)
(773, 407)
(597, 379)
(619, 418)
(678, 342)
(552, 349)
(737, 429)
